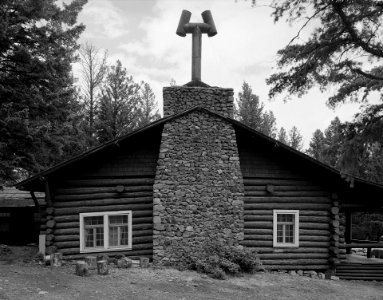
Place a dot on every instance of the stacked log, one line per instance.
(82, 268)
(50, 225)
(342, 240)
(144, 262)
(43, 221)
(313, 202)
(91, 261)
(73, 197)
(335, 233)
(56, 259)
(102, 267)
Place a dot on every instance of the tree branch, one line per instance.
(363, 73)
(351, 30)
(305, 24)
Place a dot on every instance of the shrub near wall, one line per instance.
(218, 260)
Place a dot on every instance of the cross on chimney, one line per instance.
(196, 29)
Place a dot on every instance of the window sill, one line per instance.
(285, 246)
(104, 249)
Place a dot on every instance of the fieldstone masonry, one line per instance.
(218, 100)
(198, 189)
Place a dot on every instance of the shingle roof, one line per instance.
(30, 182)
(12, 197)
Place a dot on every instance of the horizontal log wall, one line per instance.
(314, 223)
(121, 179)
(67, 207)
(273, 182)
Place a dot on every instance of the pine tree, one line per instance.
(341, 33)
(268, 126)
(328, 147)
(295, 138)
(339, 145)
(250, 111)
(39, 108)
(119, 111)
(317, 145)
(333, 139)
(148, 110)
(282, 136)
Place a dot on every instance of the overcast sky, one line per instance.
(141, 33)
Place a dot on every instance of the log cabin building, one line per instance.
(196, 175)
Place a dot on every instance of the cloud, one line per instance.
(245, 48)
(103, 20)
(242, 48)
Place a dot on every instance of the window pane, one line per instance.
(89, 237)
(285, 228)
(289, 234)
(120, 219)
(99, 237)
(280, 233)
(97, 220)
(118, 230)
(289, 240)
(124, 235)
(113, 236)
(94, 231)
(289, 230)
(285, 218)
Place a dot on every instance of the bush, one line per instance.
(217, 259)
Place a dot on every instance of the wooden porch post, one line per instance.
(36, 202)
(348, 230)
(48, 196)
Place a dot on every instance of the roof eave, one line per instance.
(23, 185)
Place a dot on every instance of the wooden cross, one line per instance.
(196, 29)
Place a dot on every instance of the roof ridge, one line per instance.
(172, 117)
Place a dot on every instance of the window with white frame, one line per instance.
(102, 231)
(286, 228)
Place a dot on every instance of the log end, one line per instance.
(144, 262)
(102, 267)
(82, 268)
(120, 188)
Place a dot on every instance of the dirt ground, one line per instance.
(22, 278)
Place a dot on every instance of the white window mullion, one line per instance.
(296, 228)
(94, 237)
(130, 230)
(119, 235)
(82, 233)
(106, 231)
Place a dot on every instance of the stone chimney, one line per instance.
(198, 187)
(215, 99)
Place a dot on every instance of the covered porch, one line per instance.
(356, 267)
(373, 239)
(361, 231)
(363, 246)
